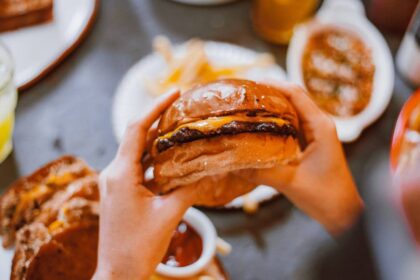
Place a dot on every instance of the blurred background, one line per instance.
(69, 111)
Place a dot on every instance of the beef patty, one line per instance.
(185, 134)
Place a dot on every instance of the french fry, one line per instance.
(194, 62)
(163, 46)
(223, 247)
(194, 66)
(250, 205)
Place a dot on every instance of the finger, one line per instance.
(151, 136)
(147, 160)
(119, 176)
(134, 140)
(310, 115)
(162, 104)
(303, 103)
(185, 196)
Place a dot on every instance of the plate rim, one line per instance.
(63, 54)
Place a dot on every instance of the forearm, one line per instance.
(336, 207)
(345, 205)
(343, 218)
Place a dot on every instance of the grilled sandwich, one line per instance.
(15, 14)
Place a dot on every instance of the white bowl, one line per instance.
(348, 14)
(207, 232)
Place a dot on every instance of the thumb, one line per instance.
(184, 196)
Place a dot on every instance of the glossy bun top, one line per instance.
(226, 97)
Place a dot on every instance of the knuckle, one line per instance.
(328, 124)
(137, 124)
(297, 88)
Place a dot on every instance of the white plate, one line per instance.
(6, 257)
(38, 48)
(131, 98)
(349, 14)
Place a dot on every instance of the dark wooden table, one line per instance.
(69, 112)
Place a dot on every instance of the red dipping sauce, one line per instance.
(185, 248)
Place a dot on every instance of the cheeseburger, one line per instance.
(220, 127)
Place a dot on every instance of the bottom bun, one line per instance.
(203, 159)
(229, 187)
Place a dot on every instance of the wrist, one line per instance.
(344, 217)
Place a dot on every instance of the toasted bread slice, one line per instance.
(54, 214)
(24, 201)
(66, 250)
(15, 14)
(85, 187)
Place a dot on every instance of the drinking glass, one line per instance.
(8, 100)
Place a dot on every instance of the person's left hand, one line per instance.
(135, 225)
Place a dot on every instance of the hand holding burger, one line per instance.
(222, 139)
(216, 129)
(249, 141)
(320, 184)
(135, 225)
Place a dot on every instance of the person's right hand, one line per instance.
(320, 184)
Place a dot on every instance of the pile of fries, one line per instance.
(194, 67)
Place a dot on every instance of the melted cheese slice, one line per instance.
(27, 198)
(214, 123)
(61, 179)
(56, 225)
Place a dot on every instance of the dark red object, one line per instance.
(185, 247)
(391, 15)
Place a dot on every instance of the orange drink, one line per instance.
(274, 20)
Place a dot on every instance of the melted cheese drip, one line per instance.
(56, 225)
(214, 123)
(61, 179)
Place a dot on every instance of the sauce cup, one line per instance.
(205, 228)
